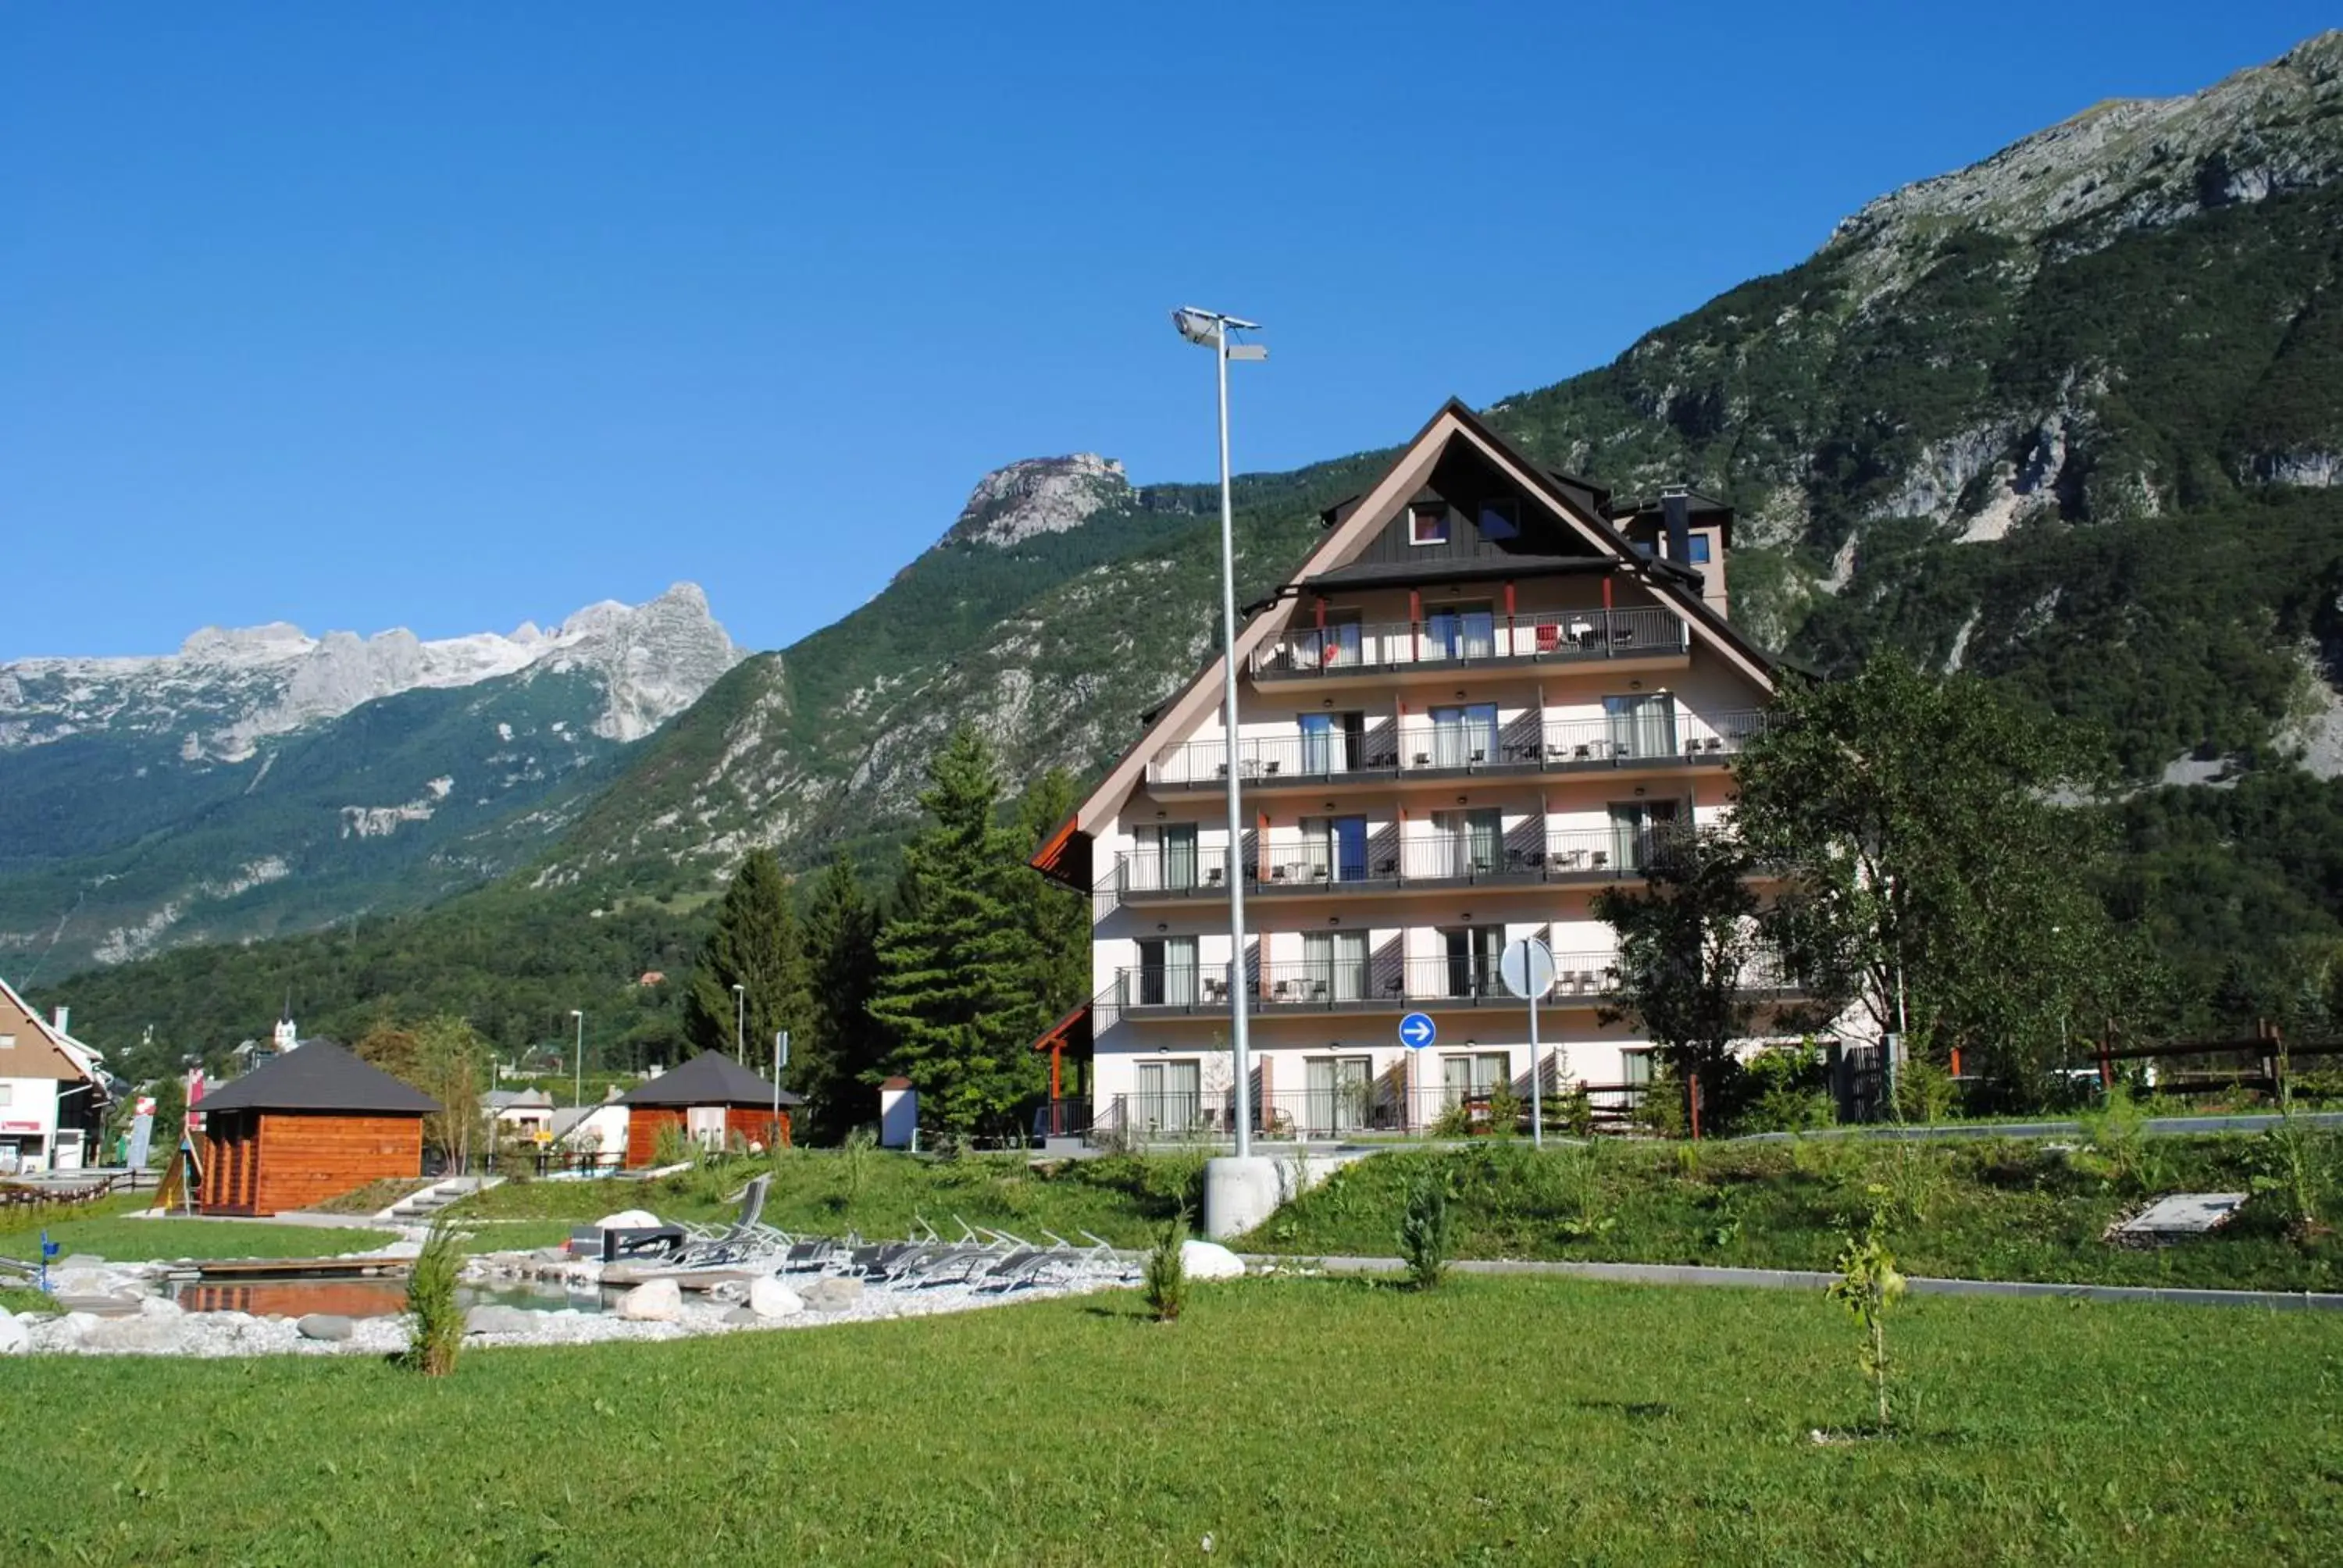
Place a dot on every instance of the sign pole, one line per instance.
(1537, 1072)
(780, 1059)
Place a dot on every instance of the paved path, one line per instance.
(1810, 1280)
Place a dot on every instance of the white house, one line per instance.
(53, 1091)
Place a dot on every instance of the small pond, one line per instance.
(377, 1296)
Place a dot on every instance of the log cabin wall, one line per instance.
(747, 1124)
(306, 1157)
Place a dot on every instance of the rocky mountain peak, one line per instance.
(1038, 496)
(2134, 163)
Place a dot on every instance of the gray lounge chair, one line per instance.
(747, 1238)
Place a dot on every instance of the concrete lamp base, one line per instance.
(1238, 1194)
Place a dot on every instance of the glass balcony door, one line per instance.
(1460, 631)
(1338, 1089)
(1336, 964)
(1171, 1096)
(1167, 973)
(1464, 736)
(1637, 829)
(1642, 725)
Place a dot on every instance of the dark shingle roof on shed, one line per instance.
(319, 1076)
(711, 1078)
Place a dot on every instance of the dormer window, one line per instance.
(1427, 525)
(1697, 550)
(1501, 518)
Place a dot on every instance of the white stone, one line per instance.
(626, 1220)
(769, 1298)
(833, 1295)
(659, 1302)
(330, 1326)
(1209, 1260)
(15, 1339)
(493, 1319)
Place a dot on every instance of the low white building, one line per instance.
(597, 1131)
(520, 1112)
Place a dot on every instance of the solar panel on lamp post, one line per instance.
(1210, 329)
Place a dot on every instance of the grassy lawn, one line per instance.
(827, 1193)
(1293, 1420)
(1986, 1208)
(109, 1229)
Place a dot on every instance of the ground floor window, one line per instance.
(1338, 1094)
(1471, 1080)
(1169, 1097)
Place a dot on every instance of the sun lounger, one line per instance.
(746, 1240)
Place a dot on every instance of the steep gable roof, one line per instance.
(319, 1076)
(40, 1052)
(711, 1078)
(1348, 529)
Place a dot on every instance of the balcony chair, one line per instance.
(1601, 858)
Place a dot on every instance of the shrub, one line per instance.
(670, 1146)
(1427, 1230)
(1574, 1112)
(1165, 1288)
(438, 1332)
(1507, 1111)
(1924, 1092)
(854, 1162)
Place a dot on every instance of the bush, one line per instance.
(1924, 1092)
(670, 1146)
(1165, 1289)
(438, 1332)
(1427, 1230)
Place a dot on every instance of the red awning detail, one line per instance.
(1071, 1032)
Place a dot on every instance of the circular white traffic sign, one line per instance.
(1526, 968)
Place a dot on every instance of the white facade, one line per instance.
(1439, 754)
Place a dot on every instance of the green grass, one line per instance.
(1983, 1209)
(109, 1229)
(1300, 1421)
(17, 1299)
(1121, 1198)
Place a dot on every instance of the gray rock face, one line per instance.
(325, 1326)
(496, 1320)
(831, 1295)
(1038, 496)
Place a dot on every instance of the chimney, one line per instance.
(58, 1018)
(1676, 508)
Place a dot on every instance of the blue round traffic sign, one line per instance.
(1416, 1030)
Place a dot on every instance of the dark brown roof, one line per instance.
(319, 1075)
(711, 1078)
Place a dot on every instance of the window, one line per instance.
(1696, 551)
(1461, 736)
(1427, 525)
(1335, 966)
(1333, 742)
(1475, 954)
(1339, 1090)
(1471, 1080)
(1501, 519)
(1180, 855)
(1460, 631)
(1642, 725)
(1169, 1097)
(7, 1042)
(8, 1090)
(1640, 830)
(1167, 973)
(1470, 842)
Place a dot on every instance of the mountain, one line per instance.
(262, 781)
(2071, 417)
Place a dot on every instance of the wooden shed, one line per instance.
(308, 1125)
(710, 1100)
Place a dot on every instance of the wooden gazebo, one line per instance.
(307, 1126)
(709, 1099)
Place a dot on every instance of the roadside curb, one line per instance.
(1813, 1279)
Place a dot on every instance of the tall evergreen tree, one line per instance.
(755, 944)
(959, 992)
(842, 1059)
(1059, 918)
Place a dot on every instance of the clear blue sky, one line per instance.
(446, 316)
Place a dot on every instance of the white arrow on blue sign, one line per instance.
(1415, 1031)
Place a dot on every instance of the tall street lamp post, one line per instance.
(577, 1079)
(1210, 329)
(740, 1023)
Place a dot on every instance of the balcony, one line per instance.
(1390, 752)
(1439, 646)
(1384, 982)
(1386, 863)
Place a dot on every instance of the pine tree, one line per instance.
(755, 944)
(960, 991)
(841, 1060)
(1059, 918)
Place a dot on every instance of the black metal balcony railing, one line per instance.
(1380, 982)
(1387, 749)
(1384, 861)
(1552, 636)
(1350, 1107)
